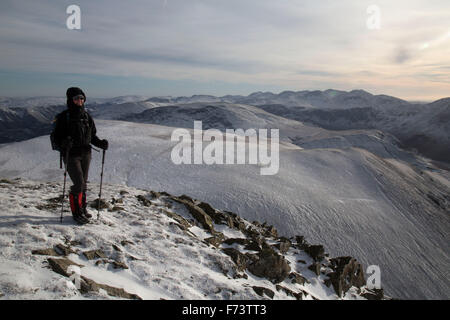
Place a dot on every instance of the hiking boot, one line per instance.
(84, 211)
(76, 207)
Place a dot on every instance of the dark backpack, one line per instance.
(55, 145)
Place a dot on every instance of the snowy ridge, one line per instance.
(420, 126)
(150, 245)
(381, 209)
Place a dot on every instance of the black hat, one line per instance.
(73, 92)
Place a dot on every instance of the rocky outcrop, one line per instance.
(61, 265)
(241, 260)
(268, 262)
(270, 265)
(263, 291)
(94, 254)
(347, 272)
(86, 285)
(373, 294)
(198, 213)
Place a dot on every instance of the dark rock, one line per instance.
(238, 275)
(101, 261)
(163, 193)
(198, 213)
(253, 245)
(144, 200)
(252, 258)
(155, 195)
(117, 208)
(316, 252)
(182, 221)
(373, 294)
(270, 265)
(234, 221)
(60, 265)
(251, 232)
(283, 245)
(261, 291)
(63, 250)
(241, 241)
(229, 221)
(103, 204)
(215, 240)
(270, 231)
(74, 243)
(216, 215)
(94, 254)
(347, 272)
(186, 198)
(300, 240)
(297, 278)
(240, 259)
(125, 242)
(114, 200)
(45, 252)
(116, 247)
(119, 265)
(315, 267)
(48, 206)
(88, 285)
(289, 292)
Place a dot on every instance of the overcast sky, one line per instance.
(185, 47)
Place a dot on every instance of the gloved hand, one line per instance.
(104, 144)
(67, 143)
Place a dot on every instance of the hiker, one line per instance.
(74, 131)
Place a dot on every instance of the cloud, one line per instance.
(402, 55)
(263, 42)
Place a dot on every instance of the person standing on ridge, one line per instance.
(74, 131)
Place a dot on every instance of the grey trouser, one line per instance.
(78, 169)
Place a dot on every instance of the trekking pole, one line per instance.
(101, 183)
(64, 188)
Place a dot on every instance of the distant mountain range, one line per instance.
(424, 127)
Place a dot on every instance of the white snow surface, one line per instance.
(371, 205)
(163, 261)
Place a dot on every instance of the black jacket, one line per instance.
(77, 124)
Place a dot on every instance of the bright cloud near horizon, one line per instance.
(219, 47)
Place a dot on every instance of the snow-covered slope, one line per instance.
(149, 245)
(219, 116)
(424, 127)
(378, 208)
(112, 111)
(18, 124)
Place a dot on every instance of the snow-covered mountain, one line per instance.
(354, 191)
(418, 126)
(328, 99)
(150, 245)
(17, 124)
(424, 127)
(45, 101)
(114, 111)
